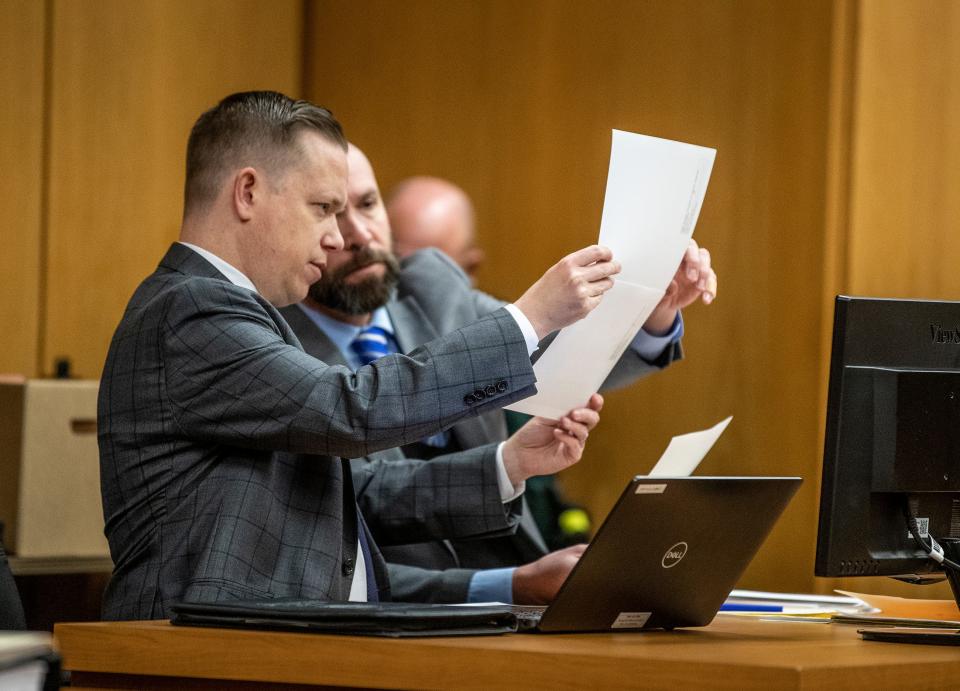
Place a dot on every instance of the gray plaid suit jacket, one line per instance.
(433, 298)
(219, 436)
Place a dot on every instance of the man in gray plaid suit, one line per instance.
(219, 437)
(413, 301)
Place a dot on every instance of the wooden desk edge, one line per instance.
(735, 655)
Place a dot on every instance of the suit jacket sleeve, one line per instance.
(234, 376)
(631, 367)
(413, 584)
(442, 291)
(448, 497)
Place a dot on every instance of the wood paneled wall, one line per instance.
(128, 80)
(99, 97)
(21, 171)
(515, 102)
(904, 233)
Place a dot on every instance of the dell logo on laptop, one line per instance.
(674, 555)
(940, 335)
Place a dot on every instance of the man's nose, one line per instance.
(354, 230)
(332, 240)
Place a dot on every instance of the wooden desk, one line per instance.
(731, 653)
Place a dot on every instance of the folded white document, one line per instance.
(655, 188)
(685, 451)
(577, 362)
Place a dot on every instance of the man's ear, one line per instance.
(247, 191)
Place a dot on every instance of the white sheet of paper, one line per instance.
(577, 362)
(685, 451)
(655, 188)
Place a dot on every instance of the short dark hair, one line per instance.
(261, 126)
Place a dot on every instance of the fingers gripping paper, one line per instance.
(655, 188)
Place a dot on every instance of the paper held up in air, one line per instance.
(655, 188)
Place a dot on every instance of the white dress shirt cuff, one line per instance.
(529, 333)
(507, 491)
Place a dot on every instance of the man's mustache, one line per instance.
(362, 258)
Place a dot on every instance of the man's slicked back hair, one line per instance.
(255, 128)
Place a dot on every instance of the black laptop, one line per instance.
(667, 556)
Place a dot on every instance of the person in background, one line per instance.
(432, 212)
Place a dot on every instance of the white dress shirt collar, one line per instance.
(233, 274)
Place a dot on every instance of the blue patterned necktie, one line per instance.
(374, 342)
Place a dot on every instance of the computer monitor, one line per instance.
(892, 443)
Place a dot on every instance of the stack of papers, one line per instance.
(791, 606)
(845, 608)
(888, 610)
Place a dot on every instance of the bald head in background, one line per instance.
(431, 212)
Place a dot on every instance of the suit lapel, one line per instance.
(312, 338)
(411, 326)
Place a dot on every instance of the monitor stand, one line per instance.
(951, 550)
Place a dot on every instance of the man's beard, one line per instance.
(334, 292)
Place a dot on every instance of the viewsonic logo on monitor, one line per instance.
(674, 555)
(940, 335)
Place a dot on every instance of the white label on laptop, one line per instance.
(651, 489)
(630, 620)
(685, 451)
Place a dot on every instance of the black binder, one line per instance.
(394, 619)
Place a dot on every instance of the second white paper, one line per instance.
(685, 451)
(576, 363)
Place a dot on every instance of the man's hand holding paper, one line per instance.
(569, 289)
(545, 447)
(695, 279)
